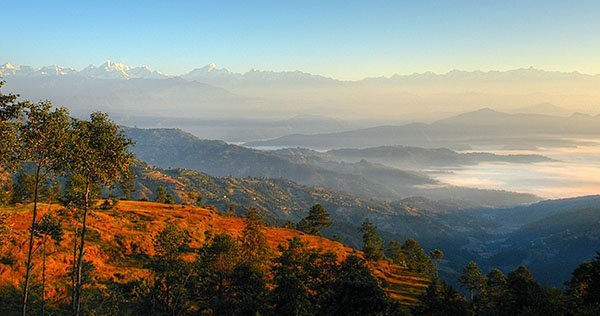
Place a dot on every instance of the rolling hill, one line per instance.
(120, 243)
(171, 148)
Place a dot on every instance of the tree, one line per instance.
(23, 187)
(441, 299)
(317, 220)
(584, 287)
(161, 194)
(171, 271)
(74, 193)
(291, 295)
(99, 154)
(436, 255)
(473, 280)
(226, 284)
(496, 293)
(373, 244)
(44, 138)
(49, 227)
(414, 257)
(253, 241)
(169, 199)
(10, 112)
(525, 295)
(355, 291)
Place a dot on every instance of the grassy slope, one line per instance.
(120, 241)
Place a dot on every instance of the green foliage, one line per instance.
(50, 226)
(525, 295)
(100, 151)
(440, 299)
(304, 280)
(171, 242)
(74, 193)
(317, 220)
(169, 199)
(225, 283)
(373, 244)
(167, 293)
(161, 194)
(354, 291)
(411, 255)
(253, 241)
(10, 112)
(23, 188)
(496, 293)
(584, 286)
(163, 197)
(473, 280)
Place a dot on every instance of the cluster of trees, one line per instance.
(408, 254)
(44, 143)
(240, 276)
(517, 293)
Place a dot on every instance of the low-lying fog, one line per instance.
(576, 173)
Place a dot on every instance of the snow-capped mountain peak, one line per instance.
(7, 69)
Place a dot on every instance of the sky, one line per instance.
(340, 39)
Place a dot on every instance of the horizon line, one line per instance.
(396, 74)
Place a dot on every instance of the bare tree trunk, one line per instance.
(44, 277)
(74, 269)
(77, 303)
(31, 237)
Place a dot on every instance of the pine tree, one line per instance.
(373, 244)
(253, 240)
(496, 290)
(171, 272)
(525, 295)
(317, 220)
(355, 291)
(584, 286)
(473, 280)
(414, 257)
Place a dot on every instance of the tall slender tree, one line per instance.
(253, 240)
(473, 280)
(43, 143)
(49, 227)
(99, 154)
(436, 256)
(373, 244)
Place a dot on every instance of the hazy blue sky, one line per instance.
(343, 39)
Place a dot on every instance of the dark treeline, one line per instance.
(48, 156)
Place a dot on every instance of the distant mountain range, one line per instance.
(212, 92)
(482, 127)
(112, 70)
(170, 148)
